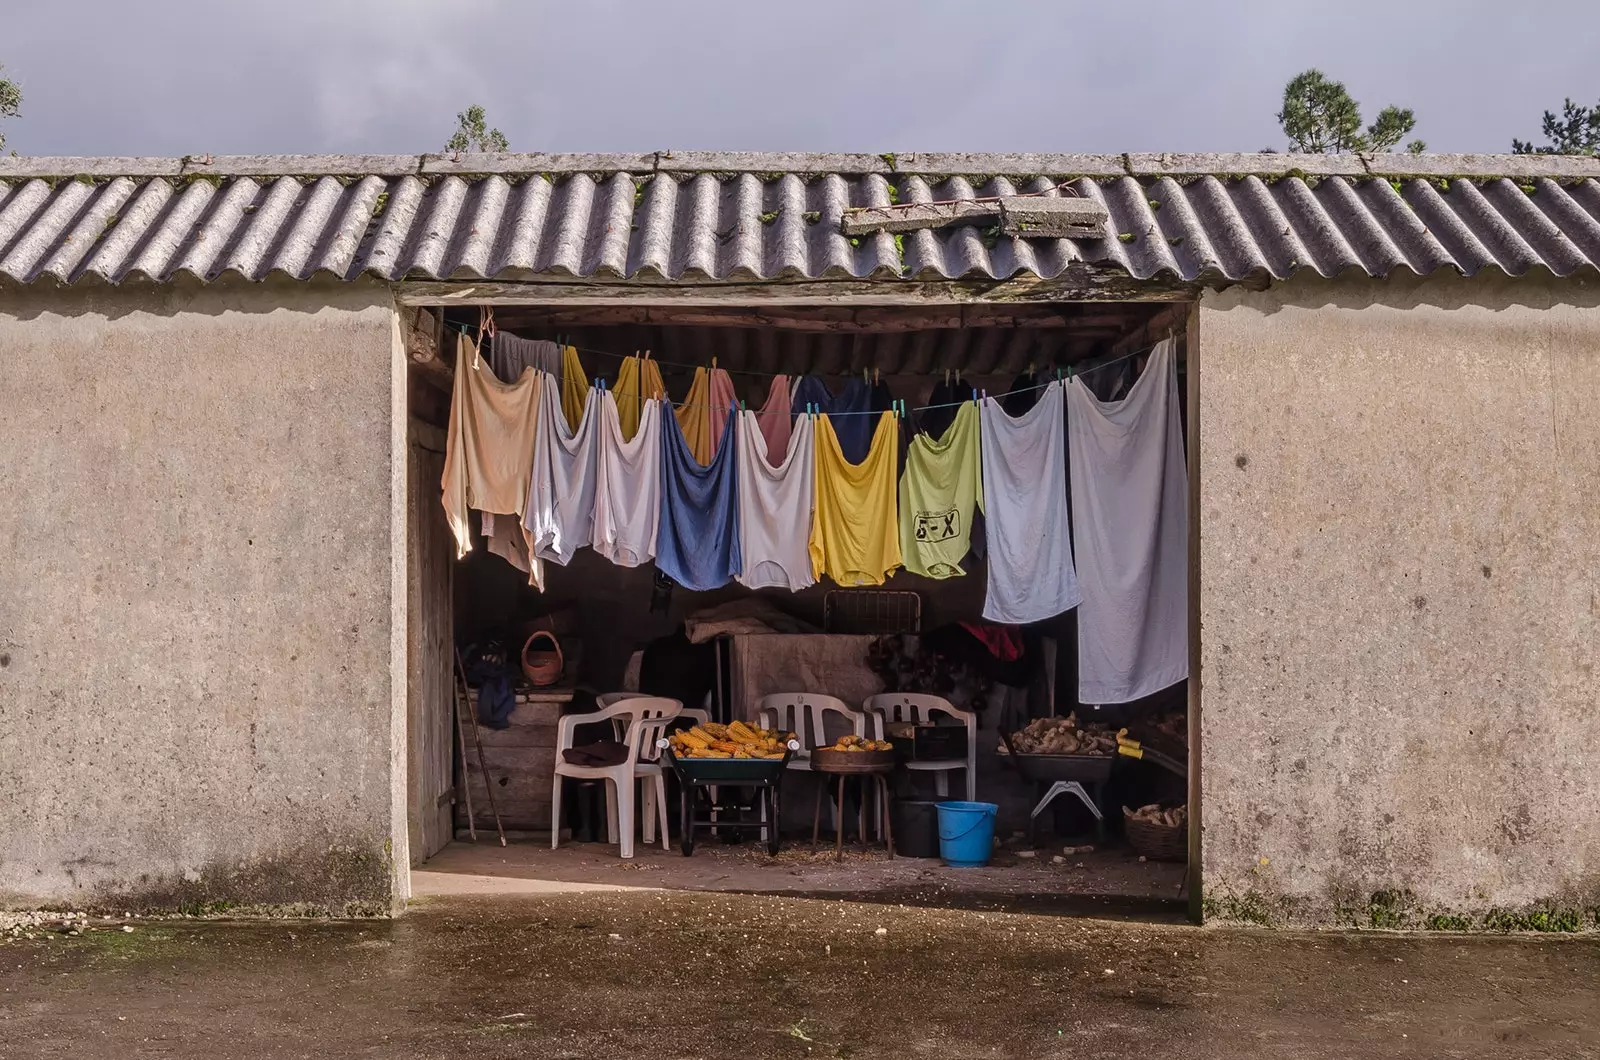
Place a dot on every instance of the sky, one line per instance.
(175, 77)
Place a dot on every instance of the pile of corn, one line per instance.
(737, 740)
(1062, 736)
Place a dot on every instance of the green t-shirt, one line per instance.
(942, 484)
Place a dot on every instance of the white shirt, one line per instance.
(775, 506)
(561, 490)
(627, 490)
(1031, 577)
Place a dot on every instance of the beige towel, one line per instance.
(489, 448)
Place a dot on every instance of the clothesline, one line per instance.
(1067, 373)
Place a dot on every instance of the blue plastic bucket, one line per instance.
(966, 833)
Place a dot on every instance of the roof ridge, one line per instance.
(1169, 164)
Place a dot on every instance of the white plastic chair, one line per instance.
(647, 718)
(805, 714)
(920, 709)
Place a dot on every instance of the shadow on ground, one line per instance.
(675, 974)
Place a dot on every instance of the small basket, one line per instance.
(1158, 842)
(542, 664)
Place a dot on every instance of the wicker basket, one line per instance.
(542, 663)
(1159, 842)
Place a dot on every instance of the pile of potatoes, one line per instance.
(1062, 736)
(1171, 817)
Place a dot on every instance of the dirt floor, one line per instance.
(1109, 881)
(678, 975)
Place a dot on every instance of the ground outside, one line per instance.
(525, 967)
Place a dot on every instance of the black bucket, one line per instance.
(916, 828)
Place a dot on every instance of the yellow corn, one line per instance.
(726, 745)
(741, 732)
(701, 734)
(689, 739)
(714, 754)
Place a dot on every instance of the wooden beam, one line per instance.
(841, 319)
(1078, 283)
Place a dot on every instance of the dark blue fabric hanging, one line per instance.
(809, 390)
(851, 423)
(698, 543)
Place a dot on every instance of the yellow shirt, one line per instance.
(574, 388)
(635, 386)
(855, 538)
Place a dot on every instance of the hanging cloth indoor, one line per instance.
(940, 488)
(774, 419)
(809, 390)
(574, 387)
(638, 382)
(775, 504)
(851, 417)
(705, 411)
(1130, 522)
(560, 516)
(1025, 511)
(489, 444)
(504, 537)
(855, 538)
(698, 543)
(627, 487)
(511, 355)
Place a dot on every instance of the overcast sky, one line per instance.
(173, 77)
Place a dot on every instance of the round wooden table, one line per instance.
(845, 765)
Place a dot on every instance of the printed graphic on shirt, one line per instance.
(938, 526)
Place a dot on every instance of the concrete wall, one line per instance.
(196, 639)
(1400, 544)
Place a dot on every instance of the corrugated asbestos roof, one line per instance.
(667, 218)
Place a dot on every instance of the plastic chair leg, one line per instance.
(647, 799)
(625, 824)
(611, 809)
(661, 810)
(555, 813)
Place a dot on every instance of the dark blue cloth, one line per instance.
(698, 543)
(809, 390)
(852, 419)
(487, 669)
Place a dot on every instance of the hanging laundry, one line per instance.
(489, 444)
(504, 537)
(698, 543)
(1023, 395)
(855, 539)
(574, 387)
(775, 504)
(511, 355)
(940, 489)
(704, 411)
(1130, 519)
(945, 399)
(1024, 458)
(851, 417)
(809, 390)
(638, 382)
(776, 425)
(627, 486)
(560, 515)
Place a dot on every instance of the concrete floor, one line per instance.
(1102, 882)
(687, 975)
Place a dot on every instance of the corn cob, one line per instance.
(717, 730)
(741, 732)
(714, 754)
(726, 745)
(700, 733)
(689, 739)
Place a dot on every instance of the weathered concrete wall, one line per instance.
(1400, 499)
(195, 599)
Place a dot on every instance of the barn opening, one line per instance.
(1020, 721)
